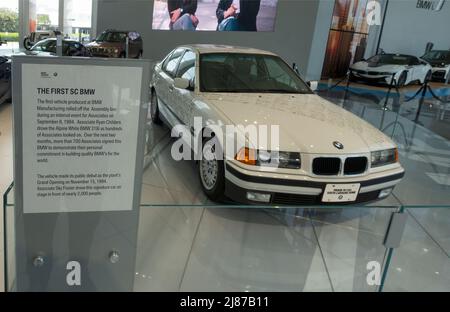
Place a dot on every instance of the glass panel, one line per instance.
(77, 19)
(219, 248)
(47, 14)
(9, 27)
(421, 262)
(423, 139)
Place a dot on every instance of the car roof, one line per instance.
(215, 48)
(397, 54)
(119, 31)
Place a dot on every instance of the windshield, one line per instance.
(437, 56)
(248, 73)
(391, 59)
(45, 46)
(112, 37)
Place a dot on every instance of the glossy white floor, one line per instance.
(187, 248)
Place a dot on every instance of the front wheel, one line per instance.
(402, 79)
(27, 43)
(212, 173)
(428, 76)
(154, 110)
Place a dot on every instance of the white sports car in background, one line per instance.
(325, 154)
(380, 68)
(440, 60)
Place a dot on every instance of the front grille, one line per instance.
(326, 166)
(293, 199)
(355, 165)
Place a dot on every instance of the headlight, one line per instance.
(385, 157)
(275, 159)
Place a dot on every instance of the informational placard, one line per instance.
(80, 128)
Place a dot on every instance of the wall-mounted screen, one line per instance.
(214, 15)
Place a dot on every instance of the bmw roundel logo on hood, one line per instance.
(338, 145)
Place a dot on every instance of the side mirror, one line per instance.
(314, 85)
(295, 68)
(181, 83)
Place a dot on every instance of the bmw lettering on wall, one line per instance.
(242, 86)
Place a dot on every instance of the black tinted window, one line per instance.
(252, 73)
(391, 59)
(112, 37)
(437, 56)
(45, 46)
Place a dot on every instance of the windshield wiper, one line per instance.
(280, 91)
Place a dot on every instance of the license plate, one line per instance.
(337, 193)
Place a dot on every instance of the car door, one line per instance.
(73, 49)
(183, 98)
(163, 81)
(415, 69)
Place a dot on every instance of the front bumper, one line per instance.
(439, 74)
(300, 192)
(375, 78)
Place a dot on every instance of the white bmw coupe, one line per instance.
(318, 153)
(380, 68)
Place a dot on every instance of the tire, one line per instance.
(154, 110)
(402, 79)
(139, 56)
(428, 76)
(27, 43)
(212, 176)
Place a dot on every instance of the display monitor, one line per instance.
(214, 15)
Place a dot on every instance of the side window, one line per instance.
(186, 69)
(277, 73)
(414, 61)
(133, 36)
(170, 65)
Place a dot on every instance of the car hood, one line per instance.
(378, 68)
(307, 123)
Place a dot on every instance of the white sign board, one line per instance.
(80, 136)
